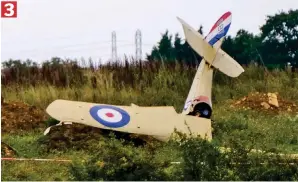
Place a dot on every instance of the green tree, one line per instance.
(178, 48)
(164, 49)
(279, 37)
(243, 47)
(168, 52)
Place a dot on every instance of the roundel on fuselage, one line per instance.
(220, 28)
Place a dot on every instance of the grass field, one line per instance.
(150, 84)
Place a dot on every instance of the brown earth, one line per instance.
(263, 102)
(17, 117)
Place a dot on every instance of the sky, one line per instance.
(82, 28)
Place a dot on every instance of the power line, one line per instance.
(76, 47)
(70, 45)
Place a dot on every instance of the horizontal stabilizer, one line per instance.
(215, 57)
(226, 64)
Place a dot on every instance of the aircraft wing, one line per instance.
(159, 122)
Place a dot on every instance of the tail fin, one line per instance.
(215, 57)
(198, 101)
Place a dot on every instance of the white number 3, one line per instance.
(9, 7)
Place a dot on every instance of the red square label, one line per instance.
(8, 9)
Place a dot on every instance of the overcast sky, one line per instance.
(82, 28)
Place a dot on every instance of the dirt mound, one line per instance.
(78, 136)
(18, 116)
(270, 102)
(7, 151)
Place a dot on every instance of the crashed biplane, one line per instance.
(160, 122)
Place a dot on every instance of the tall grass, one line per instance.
(143, 83)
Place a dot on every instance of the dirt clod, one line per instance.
(272, 97)
(265, 105)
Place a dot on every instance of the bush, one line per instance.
(114, 161)
(203, 160)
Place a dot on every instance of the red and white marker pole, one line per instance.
(47, 160)
(24, 159)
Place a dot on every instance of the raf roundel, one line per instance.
(110, 116)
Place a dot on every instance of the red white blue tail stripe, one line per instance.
(220, 28)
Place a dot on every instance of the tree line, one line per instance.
(275, 46)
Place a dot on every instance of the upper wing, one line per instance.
(155, 121)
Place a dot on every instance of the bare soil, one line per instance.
(260, 101)
(17, 117)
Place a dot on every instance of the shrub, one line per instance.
(114, 161)
(203, 160)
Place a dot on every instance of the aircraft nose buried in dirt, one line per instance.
(160, 122)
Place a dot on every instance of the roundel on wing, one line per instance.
(110, 116)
